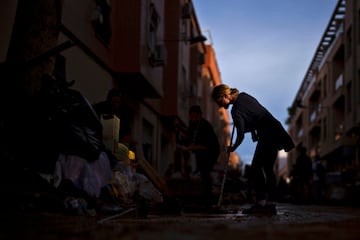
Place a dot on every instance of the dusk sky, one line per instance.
(264, 47)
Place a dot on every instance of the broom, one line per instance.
(225, 171)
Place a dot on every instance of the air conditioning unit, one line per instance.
(159, 55)
(187, 11)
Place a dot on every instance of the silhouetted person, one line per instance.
(204, 143)
(250, 116)
(318, 180)
(304, 174)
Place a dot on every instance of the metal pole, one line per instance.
(226, 169)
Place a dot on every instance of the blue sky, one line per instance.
(264, 47)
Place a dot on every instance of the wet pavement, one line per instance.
(292, 222)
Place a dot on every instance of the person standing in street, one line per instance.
(250, 116)
(203, 142)
(304, 175)
(318, 180)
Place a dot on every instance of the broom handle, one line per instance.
(226, 168)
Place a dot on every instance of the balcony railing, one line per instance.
(328, 50)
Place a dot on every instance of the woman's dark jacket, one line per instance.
(250, 116)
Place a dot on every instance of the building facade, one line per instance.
(153, 50)
(325, 115)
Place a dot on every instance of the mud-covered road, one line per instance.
(292, 222)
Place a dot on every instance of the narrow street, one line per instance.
(292, 222)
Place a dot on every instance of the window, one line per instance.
(339, 82)
(324, 132)
(148, 137)
(184, 31)
(325, 86)
(359, 27)
(357, 95)
(157, 52)
(348, 45)
(101, 21)
(153, 23)
(348, 97)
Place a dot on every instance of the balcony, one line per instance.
(339, 82)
